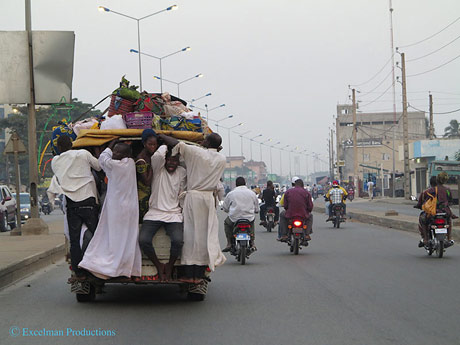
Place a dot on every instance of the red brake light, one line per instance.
(297, 223)
(439, 221)
(244, 226)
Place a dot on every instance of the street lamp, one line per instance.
(229, 128)
(281, 161)
(261, 143)
(160, 58)
(271, 164)
(105, 9)
(241, 136)
(197, 99)
(250, 143)
(178, 83)
(207, 110)
(222, 119)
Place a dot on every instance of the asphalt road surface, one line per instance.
(359, 284)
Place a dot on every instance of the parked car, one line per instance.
(25, 206)
(7, 209)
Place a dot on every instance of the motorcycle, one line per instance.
(351, 194)
(437, 234)
(296, 238)
(46, 207)
(241, 247)
(270, 222)
(337, 215)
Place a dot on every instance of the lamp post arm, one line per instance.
(183, 81)
(124, 15)
(163, 57)
(147, 16)
(153, 56)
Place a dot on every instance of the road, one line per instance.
(359, 284)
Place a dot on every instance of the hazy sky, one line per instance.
(280, 67)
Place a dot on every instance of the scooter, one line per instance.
(241, 247)
(297, 228)
(351, 194)
(270, 216)
(337, 215)
(438, 227)
(46, 207)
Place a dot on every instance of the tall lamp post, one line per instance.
(241, 137)
(207, 110)
(261, 143)
(105, 9)
(281, 161)
(222, 119)
(178, 83)
(160, 59)
(228, 129)
(271, 163)
(197, 99)
(251, 140)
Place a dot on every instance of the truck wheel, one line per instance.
(82, 298)
(196, 297)
(3, 222)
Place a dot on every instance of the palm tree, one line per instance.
(453, 130)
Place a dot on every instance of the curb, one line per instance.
(21, 269)
(387, 222)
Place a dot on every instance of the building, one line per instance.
(424, 152)
(374, 142)
(5, 112)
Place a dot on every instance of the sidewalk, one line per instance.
(373, 212)
(21, 256)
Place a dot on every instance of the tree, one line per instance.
(44, 114)
(453, 130)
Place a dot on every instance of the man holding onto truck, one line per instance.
(204, 166)
(72, 169)
(168, 183)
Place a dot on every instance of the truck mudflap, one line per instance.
(201, 288)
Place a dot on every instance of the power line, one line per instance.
(434, 69)
(381, 95)
(435, 51)
(386, 77)
(443, 113)
(426, 39)
(375, 75)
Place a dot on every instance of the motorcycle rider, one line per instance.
(240, 203)
(314, 191)
(297, 202)
(444, 195)
(336, 195)
(268, 198)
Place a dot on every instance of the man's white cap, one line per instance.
(295, 178)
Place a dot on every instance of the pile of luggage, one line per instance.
(131, 109)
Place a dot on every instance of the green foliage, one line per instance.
(453, 130)
(19, 123)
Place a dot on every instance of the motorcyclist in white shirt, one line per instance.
(240, 203)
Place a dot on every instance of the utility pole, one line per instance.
(332, 154)
(355, 142)
(35, 225)
(393, 81)
(431, 118)
(405, 130)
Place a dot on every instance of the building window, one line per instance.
(366, 157)
(386, 156)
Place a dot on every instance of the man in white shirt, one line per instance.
(240, 203)
(72, 169)
(370, 189)
(168, 183)
(204, 166)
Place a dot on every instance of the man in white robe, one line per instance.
(204, 166)
(114, 250)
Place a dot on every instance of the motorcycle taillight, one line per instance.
(439, 221)
(244, 227)
(297, 223)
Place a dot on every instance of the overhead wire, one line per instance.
(363, 93)
(435, 51)
(376, 99)
(434, 69)
(429, 37)
(375, 75)
(442, 113)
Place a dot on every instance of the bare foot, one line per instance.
(161, 272)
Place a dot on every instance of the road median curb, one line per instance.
(386, 221)
(21, 269)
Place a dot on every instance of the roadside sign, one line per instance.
(14, 145)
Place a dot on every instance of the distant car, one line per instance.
(25, 206)
(7, 209)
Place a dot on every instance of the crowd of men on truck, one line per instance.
(176, 186)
